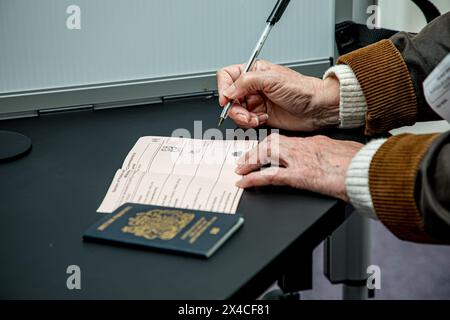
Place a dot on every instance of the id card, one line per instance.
(437, 89)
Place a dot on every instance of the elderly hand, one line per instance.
(278, 96)
(317, 164)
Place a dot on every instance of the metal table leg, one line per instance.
(347, 256)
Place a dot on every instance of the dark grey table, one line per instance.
(49, 197)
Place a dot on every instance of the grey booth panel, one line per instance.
(127, 42)
(122, 94)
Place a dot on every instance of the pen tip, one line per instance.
(220, 121)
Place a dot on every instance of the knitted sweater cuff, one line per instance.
(352, 105)
(357, 181)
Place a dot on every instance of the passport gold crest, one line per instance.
(162, 224)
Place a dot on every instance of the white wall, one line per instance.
(404, 14)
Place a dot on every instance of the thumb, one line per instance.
(248, 83)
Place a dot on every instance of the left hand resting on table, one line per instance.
(317, 164)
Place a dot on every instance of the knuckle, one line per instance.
(220, 72)
(320, 138)
(267, 140)
(269, 150)
(244, 80)
(262, 65)
(273, 178)
(274, 135)
(266, 63)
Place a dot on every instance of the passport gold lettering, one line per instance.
(198, 229)
(162, 224)
(202, 230)
(114, 218)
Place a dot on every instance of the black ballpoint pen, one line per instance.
(274, 17)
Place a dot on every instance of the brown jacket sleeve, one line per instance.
(409, 181)
(391, 74)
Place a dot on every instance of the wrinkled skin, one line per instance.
(317, 164)
(279, 97)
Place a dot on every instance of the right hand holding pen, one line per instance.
(279, 97)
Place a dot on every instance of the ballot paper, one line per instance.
(179, 173)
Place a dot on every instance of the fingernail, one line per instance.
(263, 118)
(229, 91)
(242, 117)
(238, 169)
(239, 184)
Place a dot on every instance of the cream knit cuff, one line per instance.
(357, 181)
(352, 105)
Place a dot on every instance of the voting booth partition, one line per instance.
(104, 53)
